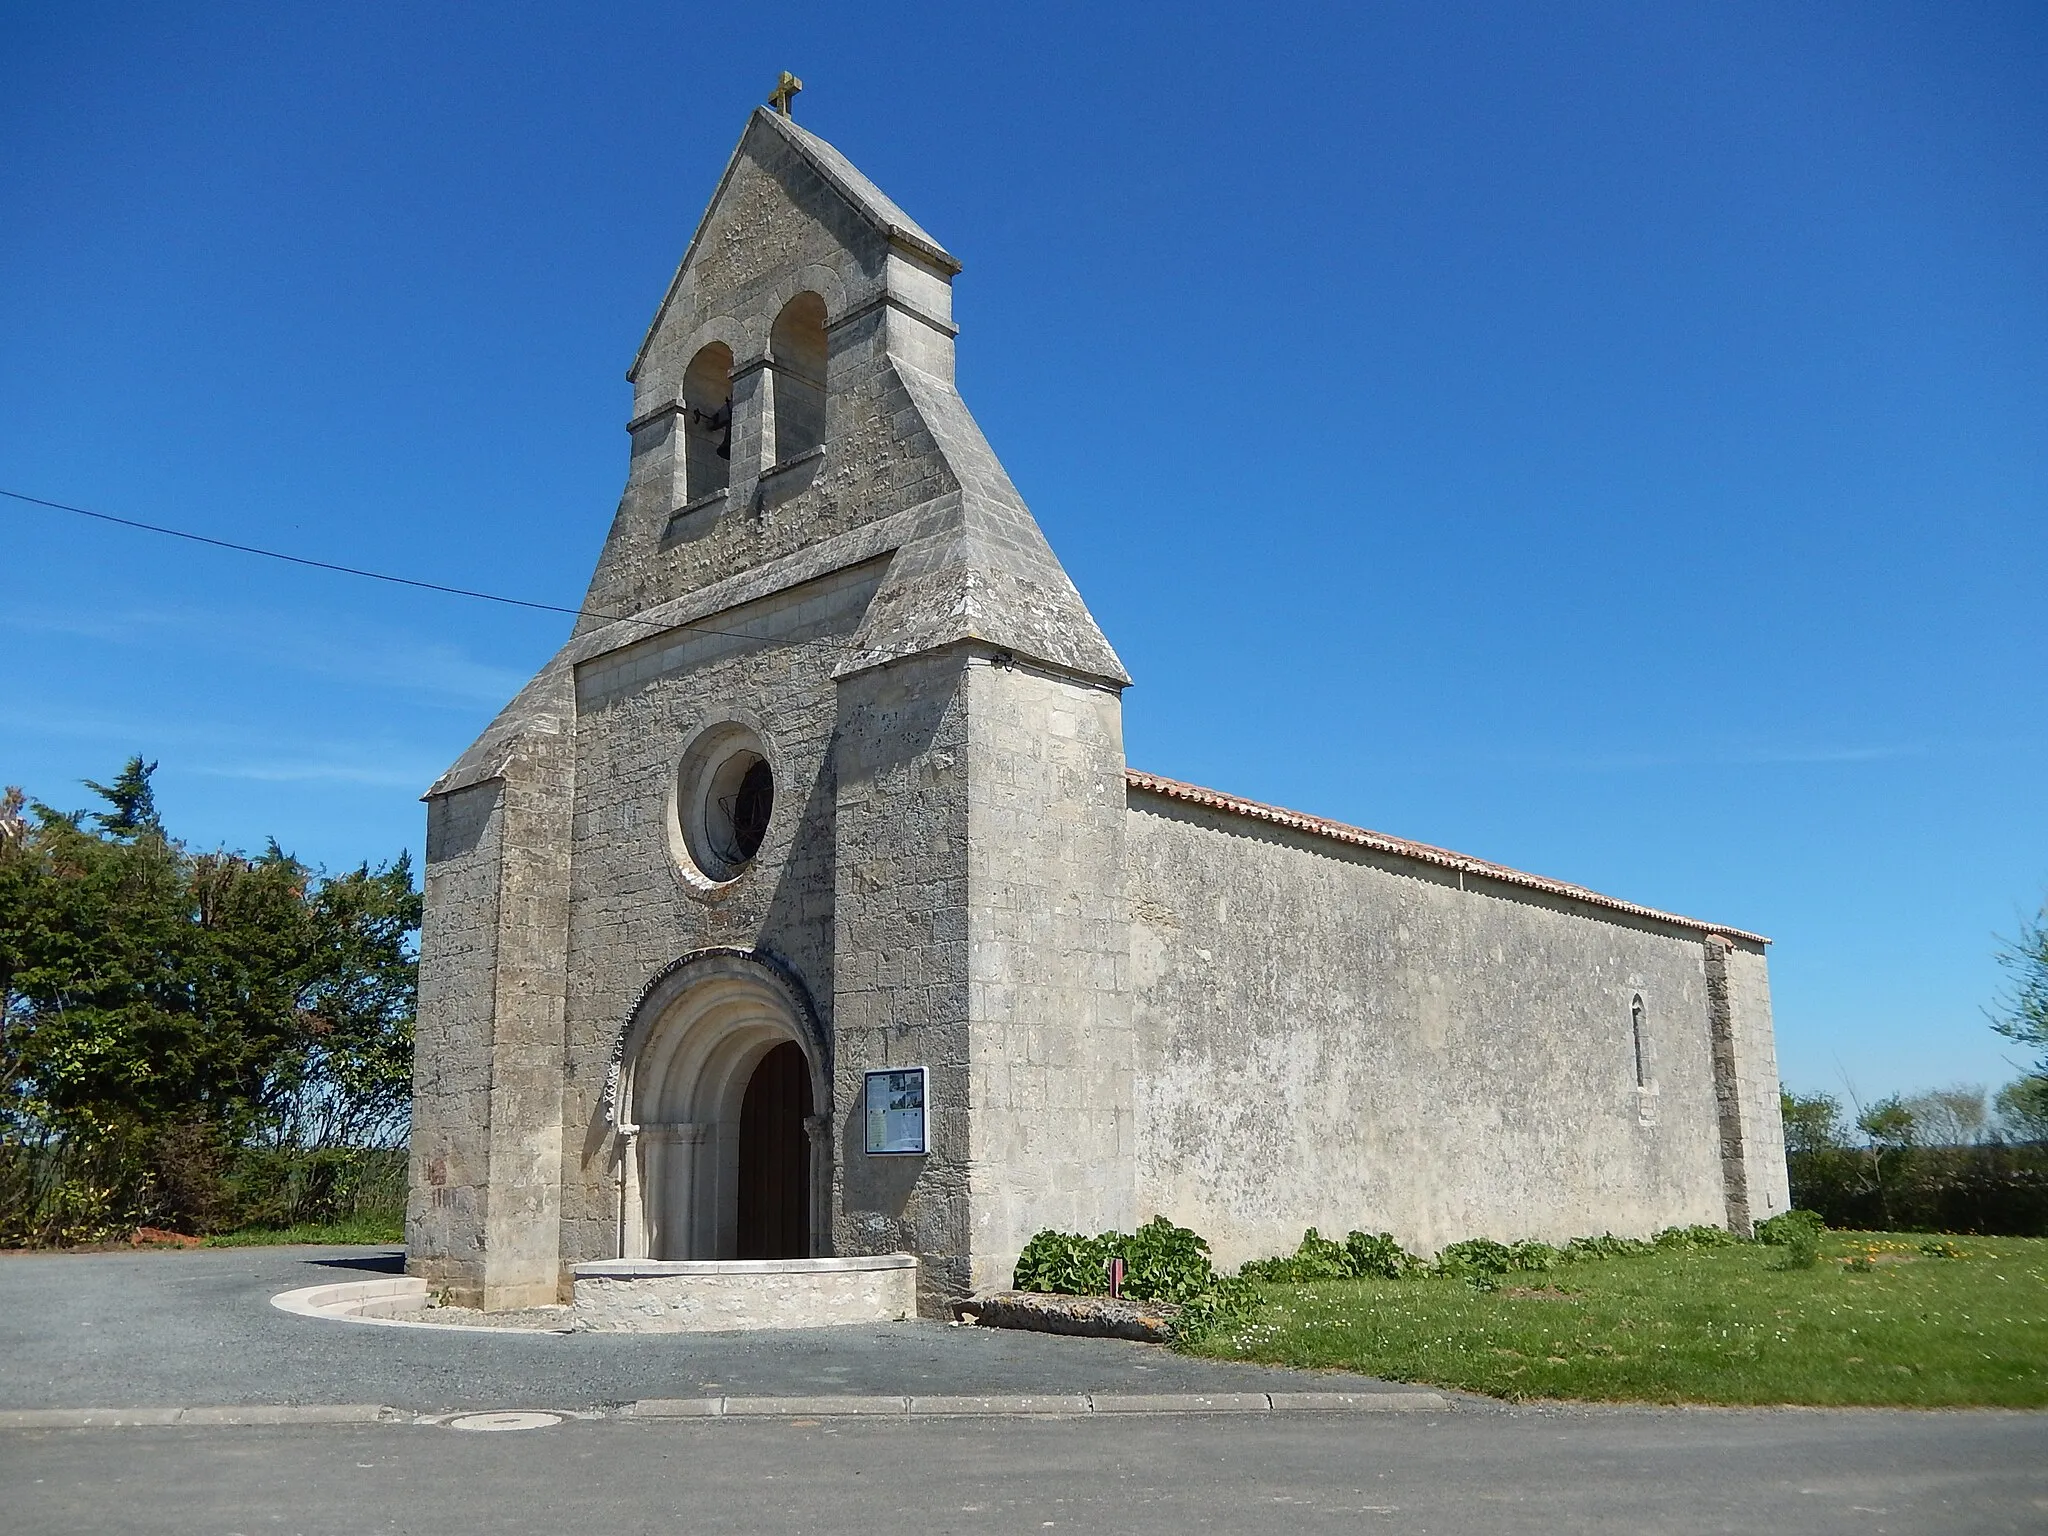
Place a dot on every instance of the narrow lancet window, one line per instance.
(705, 463)
(796, 354)
(1635, 1015)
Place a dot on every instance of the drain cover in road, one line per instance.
(508, 1420)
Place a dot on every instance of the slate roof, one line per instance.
(1401, 847)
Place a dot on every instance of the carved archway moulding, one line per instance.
(668, 986)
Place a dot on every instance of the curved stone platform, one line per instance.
(726, 1295)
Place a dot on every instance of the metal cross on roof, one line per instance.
(784, 92)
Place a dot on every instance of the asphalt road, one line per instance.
(136, 1330)
(132, 1330)
(1520, 1471)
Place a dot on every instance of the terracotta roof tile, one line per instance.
(1401, 847)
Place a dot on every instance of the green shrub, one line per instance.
(1796, 1234)
(1477, 1258)
(1532, 1257)
(1362, 1255)
(1377, 1255)
(1162, 1262)
(1694, 1237)
(1605, 1246)
(59, 1195)
(1787, 1228)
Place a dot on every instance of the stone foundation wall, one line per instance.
(637, 1296)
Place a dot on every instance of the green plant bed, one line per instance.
(1880, 1320)
(369, 1228)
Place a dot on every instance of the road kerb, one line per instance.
(1025, 1405)
(233, 1414)
(1180, 1402)
(937, 1405)
(675, 1408)
(1357, 1402)
(812, 1407)
(291, 1413)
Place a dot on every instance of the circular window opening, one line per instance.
(725, 795)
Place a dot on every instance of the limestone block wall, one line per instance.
(775, 230)
(484, 1208)
(1331, 1037)
(1051, 1051)
(450, 1163)
(523, 1217)
(900, 925)
(635, 908)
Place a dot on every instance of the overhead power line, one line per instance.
(350, 570)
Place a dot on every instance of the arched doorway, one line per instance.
(720, 1146)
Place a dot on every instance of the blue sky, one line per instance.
(1608, 439)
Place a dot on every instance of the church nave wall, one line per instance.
(1332, 1037)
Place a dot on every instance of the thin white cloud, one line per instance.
(1715, 757)
(382, 775)
(327, 647)
(214, 749)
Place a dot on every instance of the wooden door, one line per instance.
(775, 1158)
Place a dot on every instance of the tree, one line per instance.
(166, 1008)
(2023, 1109)
(132, 799)
(2024, 1015)
(1949, 1117)
(1813, 1122)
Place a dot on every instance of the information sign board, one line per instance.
(896, 1111)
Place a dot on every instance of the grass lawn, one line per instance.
(1876, 1322)
(358, 1229)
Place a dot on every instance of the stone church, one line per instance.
(804, 905)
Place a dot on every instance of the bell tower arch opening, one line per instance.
(796, 358)
(706, 460)
(719, 1139)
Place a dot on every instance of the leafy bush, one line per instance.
(1786, 1228)
(58, 1195)
(1477, 1258)
(1162, 1262)
(1376, 1255)
(1695, 1237)
(1485, 1263)
(1317, 1258)
(1796, 1234)
(1532, 1257)
(1362, 1255)
(1065, 1263)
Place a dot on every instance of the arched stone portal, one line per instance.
(717, 1112)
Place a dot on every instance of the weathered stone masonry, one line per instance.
(1132, 997)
